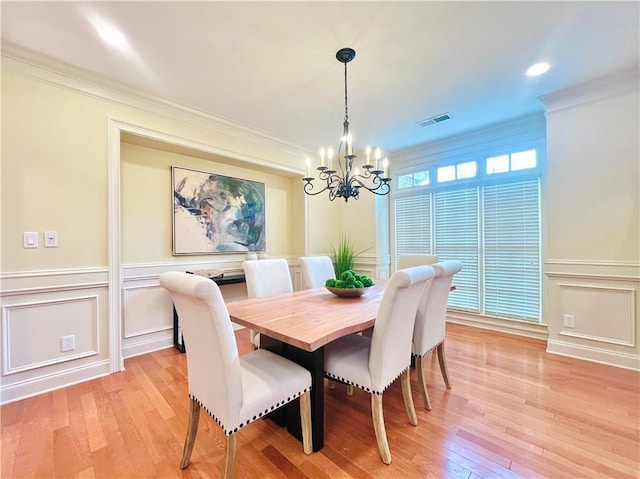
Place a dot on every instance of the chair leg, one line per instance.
(305, 419)
(408, 398)
(349, 390)
(443, 365)
(230, 448)
(378, 427)
(255, 339)
(422, 383)
(192, 430)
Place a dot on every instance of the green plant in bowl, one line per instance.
(349, 285)
(343, 256)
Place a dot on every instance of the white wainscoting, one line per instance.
(38, 309)
(603, 298)
(148, 309)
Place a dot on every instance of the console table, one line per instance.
(220, 279)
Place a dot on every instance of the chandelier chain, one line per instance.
(346, 102)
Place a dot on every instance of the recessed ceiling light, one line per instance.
(113, 36)
(538, 69)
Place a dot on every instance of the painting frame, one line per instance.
(216, 214)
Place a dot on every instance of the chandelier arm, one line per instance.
(380, 185)
(308, 189)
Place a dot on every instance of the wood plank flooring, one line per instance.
(514, 412)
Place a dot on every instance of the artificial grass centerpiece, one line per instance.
(343, 257)
(349, 279)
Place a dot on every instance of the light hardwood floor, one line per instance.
(514, 411)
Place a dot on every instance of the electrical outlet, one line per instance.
(569, 321)
(68, 343)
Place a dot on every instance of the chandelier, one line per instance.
(341, 180)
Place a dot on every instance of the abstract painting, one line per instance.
(216, 214)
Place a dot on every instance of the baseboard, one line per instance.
(519, 328)
(42, 384)
(610, 358)
(145, 346)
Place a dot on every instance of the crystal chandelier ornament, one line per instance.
(341, 180)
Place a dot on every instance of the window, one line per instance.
(521, 160)
(456, 237)
(419, 178)
(413, 224)
(491, 224)
(457, 172)
(512, 249)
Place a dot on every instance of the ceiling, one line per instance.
(271, 66)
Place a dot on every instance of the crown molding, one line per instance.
(594, 91)
(28, 63)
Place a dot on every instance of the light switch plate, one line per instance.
(30, 239)
(50, 239)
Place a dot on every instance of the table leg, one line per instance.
(314, 363)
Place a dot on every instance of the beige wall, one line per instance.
(54, 169)
(147, 203)
(592, 222)
(54, 175)
(593, 181)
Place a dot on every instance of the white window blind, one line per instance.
(512, 249)
(413, 225)
(456, 237)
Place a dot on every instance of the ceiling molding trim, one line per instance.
(18, 60)
(592, 92)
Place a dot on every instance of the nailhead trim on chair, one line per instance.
(228, 432)
(423, 355)
(378, 393)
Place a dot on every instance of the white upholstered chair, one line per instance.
(373, 363)
(429, 330)
(411, 260)
(315, 271)
(266, 277)
(235, 390)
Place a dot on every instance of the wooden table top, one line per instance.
(308, 319)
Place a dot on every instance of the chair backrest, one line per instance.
(392, 333)
(432, 311)
(315, 271)
(411, 260)
(266, 277)
(213, 364)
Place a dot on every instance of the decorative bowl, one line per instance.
(348, 293)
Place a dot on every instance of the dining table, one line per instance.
(297, 326)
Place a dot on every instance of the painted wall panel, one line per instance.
(601, 313)
(33, 332)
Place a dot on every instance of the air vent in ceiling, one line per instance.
(433, 120)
